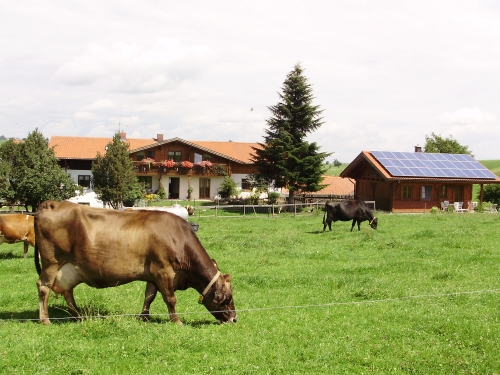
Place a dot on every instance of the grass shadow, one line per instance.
(11, 255)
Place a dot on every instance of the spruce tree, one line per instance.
(113, 175)
(285, 158)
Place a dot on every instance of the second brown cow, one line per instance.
(17, 228)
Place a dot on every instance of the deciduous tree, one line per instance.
(438, 144)
(33, 174)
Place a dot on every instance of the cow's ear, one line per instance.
(215, 263)
(227, 278)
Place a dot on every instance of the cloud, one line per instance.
(101, 104)
(466, 116)
(128, 68)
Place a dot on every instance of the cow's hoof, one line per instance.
(144, 316)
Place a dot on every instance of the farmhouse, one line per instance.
(415, 181)
(176, 163)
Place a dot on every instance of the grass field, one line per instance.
(332, 170)
(418, 296)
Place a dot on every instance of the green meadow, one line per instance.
(421, 295)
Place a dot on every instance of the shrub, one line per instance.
(228, 188)
(434, 210)
(272, 197)
(162, 194)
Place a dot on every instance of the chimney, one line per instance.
(123, 136)
(418, 148)
(159, 137)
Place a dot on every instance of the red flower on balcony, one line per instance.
(187, 164)
(205, 163)
(169, 163)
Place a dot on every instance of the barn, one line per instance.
(416, 181)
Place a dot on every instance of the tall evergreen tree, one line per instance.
(33, 172)
(113, 175)
(285, 158)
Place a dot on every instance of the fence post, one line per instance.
(243, 210)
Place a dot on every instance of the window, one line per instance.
(174, 155)
(407, 191)
(150, 154)
(146, 181)
(84, 180)
(245, 184)
(442, 193)
(426, 193)
(139, 156)
(204, 188)
(207, 157)
(459, 194)
(197, 158)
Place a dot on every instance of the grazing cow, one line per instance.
(17, 228)
(105, 248)
(355, 210)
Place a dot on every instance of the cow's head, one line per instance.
(374, 222)
(219, 300)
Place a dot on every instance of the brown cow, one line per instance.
(17, 228)
(105, 248)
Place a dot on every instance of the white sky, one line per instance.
(386, 73)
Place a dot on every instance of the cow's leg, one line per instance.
(166, 289)
(25, 249)
(353, 224)
(43, 298)
(149, 296)
(70, 301)
(359, 225)
(44, 284)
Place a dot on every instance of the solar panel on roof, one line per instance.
(421, 164)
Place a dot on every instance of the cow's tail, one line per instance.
(37, 254)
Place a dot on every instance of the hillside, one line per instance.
(492, 165)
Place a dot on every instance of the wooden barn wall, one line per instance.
(388, 196)
(378, 191)
(418, 204)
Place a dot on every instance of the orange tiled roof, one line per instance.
(241, 151)
(87, 147)
(336, 186)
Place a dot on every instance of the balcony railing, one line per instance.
(196, 170)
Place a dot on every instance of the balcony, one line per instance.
(180, 169)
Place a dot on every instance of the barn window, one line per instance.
(426, 193)
(407, 191)
(150, 154)
(139, 156)
(175, 155)
(197, 158)
(442, 193)
(459, 194)
(84, 180)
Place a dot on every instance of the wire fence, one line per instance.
(272, 210)
(268, 308)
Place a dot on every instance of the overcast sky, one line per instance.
(386, 73)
